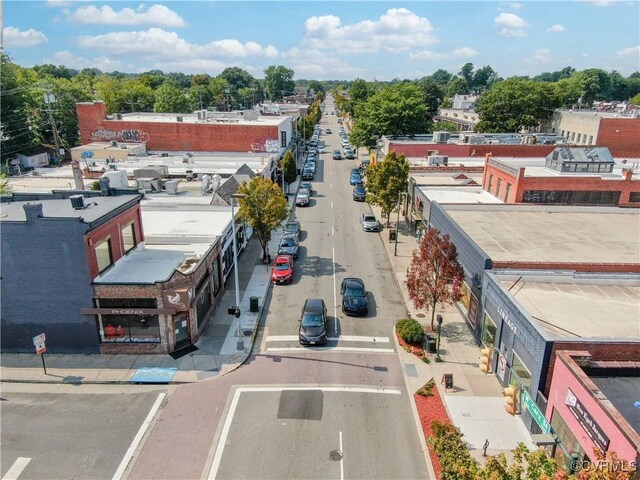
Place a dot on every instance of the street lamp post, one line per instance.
(400, 196)
(240, 344)
(439, 320)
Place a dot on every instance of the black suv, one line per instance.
(313, 322)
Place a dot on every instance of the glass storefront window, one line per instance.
(128, 328)
(465, 296)
(520, 375)
(566, 441)
(489, 332)
(216, 275)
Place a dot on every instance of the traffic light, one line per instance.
(510, 395)
(485, 359)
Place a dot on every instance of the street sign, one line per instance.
(38, 342)
(538, 416)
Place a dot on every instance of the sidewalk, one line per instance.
(475, 405)
(217, 348)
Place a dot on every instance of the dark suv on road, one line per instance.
(313, 322)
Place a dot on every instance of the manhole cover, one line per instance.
(420, 315)
(335, 455)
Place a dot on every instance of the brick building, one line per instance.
(201, 131)
(569, 176)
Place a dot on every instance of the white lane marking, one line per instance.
(332, 231)
(138, 438)
(223, 436)
(331, 204)
(344, 338)
(341, 458)
(335, 305)
(330, 349)
(17, 468)
(331, 186)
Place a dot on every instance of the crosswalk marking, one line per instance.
(330, 349)
(344, 338)
(17, 468)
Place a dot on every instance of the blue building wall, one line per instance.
(471, 257)
(45, 282)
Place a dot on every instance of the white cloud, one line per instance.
(309, 63)
(190, 66)
(14, 37)
(70, 60)
(629, 52)
(510, 20)
(556, 28)
(464, 52)
(157, 44)
(542, 55)
(584, 55)
(507, 32)
(398, 29)
(105, 15)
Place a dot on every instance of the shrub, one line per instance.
(410, 330)
(455, 460)
(427, 389)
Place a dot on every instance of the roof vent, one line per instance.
(77, 202)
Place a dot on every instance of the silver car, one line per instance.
(369, 222)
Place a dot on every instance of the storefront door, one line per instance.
(182, 331)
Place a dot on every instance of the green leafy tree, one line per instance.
(359, 92)
(595, 84)
(458, 86)
(441, 77)
(289, 168)
(170, 99)
(435, 275)
(134, 96)
(466, 72)
(445, 126)
(433, 96)
(200, 97)
(264, 207)
(386, 180)
(5, 188)
(153, 78)
(316, 86)
(200, 79)
(567, 91)
(305, 127)
(278, 81)
(237, 78)
(635, 100)
(515, 104)
(483, 78)
(393, 110)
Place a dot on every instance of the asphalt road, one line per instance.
(71, 431)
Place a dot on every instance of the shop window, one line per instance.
(498, 187)
(203, 304)
(634, 197)
(590, 140)
(489, 332)
(128, 328)
(216, 275)
(567, 442)
(506, 193)
(104, 255)
(128, 237)
(520, 375)
(465, 296)
(490, 183)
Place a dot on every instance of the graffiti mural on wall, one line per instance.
(265, 145)
(132, 136)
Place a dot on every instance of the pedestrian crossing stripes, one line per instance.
(343, 338)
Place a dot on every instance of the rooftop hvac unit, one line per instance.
(441, 137)
(150, 184)
(438, 160)
(171, 187)
(114, 143)
(179, 119)
(477, 140)
(77, 202)
(164, 154)
(151, 171)
(117, 179)
(118, 116)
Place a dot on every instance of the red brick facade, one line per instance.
(466, 150)
(174, 136)
(621, 136)
(497, 181)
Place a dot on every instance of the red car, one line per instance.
(282, 271)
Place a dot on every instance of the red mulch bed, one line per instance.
(429, 408)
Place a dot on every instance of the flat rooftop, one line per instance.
(573, 234)
(579, 310)
(459, 194)
(202, 224)
(622, 392)
(444, 178)
(453, 162)
(95, 208)
(535, 167)
(229, 119)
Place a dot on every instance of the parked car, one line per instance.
(337, 155)
(311, 164)
(307, 174)
(364, 164)
(322, 149)
(283, 269)
(349, 153)
(328, 130)
(355, 178)
(354, 297)
(359, 193)
(313, 322)
(302, 198)
(288, 246)
(308, 186)
(369, 222)
(292, 227)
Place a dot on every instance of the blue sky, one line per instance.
(326, 40)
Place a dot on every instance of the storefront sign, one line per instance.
(538, 416)
(586, 421)
(502, 367)
(505, 316)
(180, 298)
(126, 311)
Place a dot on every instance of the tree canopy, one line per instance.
(278, 81)
(386, 180)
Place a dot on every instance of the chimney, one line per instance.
(627, 173)
(104, 186)
(32, 211)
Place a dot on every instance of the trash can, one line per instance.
(253, 304)
(429, 343)
(392, 235)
